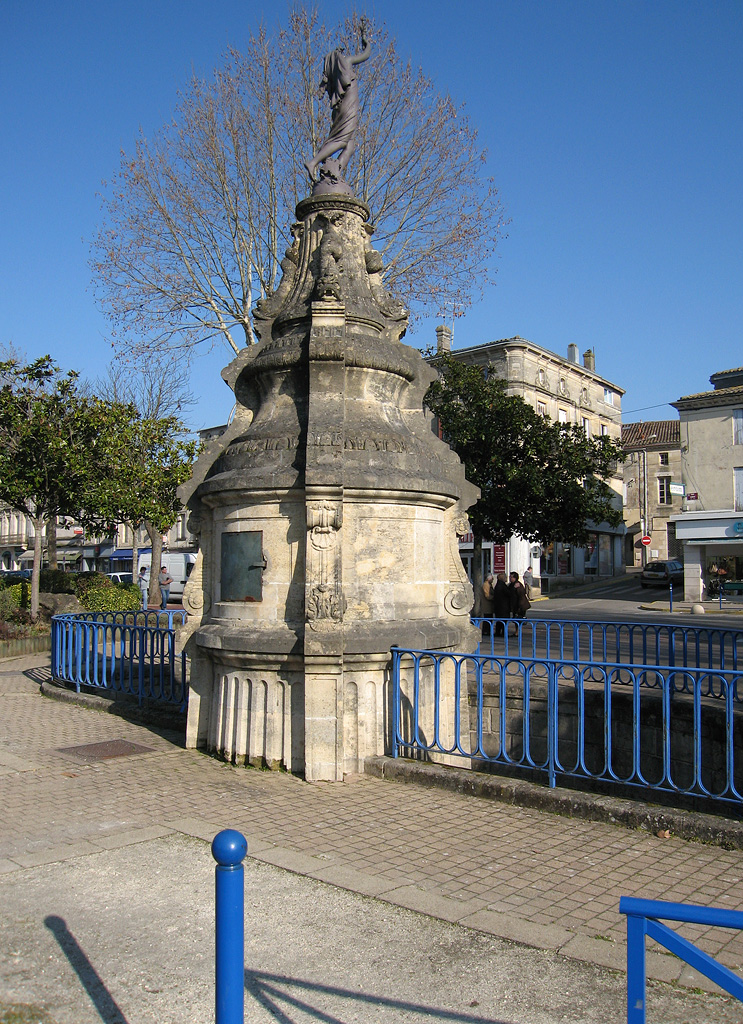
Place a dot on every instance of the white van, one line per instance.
(178, 563)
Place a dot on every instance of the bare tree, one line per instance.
(196, 219)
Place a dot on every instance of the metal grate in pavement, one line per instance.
(106, 750)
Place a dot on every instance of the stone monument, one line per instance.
(328, 512)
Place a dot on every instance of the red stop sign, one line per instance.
(647, 541)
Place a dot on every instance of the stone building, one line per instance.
(652, 489)
(568, 391)
(710, 527)
(77, 549)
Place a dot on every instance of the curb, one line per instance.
(162, 716)
(692, 825)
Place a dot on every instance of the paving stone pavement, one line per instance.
(549, 882)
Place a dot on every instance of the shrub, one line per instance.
(57, 581)
(9, 604)
(108, 598)
(86, 581)
(21, 593)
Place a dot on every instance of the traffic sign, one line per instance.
(647, 541)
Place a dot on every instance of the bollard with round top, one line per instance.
(229, 849)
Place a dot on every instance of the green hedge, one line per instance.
(110, 598)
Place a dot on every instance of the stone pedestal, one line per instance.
(328, 516)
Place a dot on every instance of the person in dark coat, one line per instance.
(501, 602)
(520, 603)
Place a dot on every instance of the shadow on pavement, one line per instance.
(274, 990)
(106, 1006)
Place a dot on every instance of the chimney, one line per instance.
(572, 353)
(443, 338)
(589, 359)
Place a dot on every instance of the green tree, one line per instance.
(54, 449)
(159, 390)
(196, 219)
(148, 460)
(542, 480)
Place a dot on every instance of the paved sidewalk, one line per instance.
(510, 873)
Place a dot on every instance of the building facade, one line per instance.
(653, 490)
(710, 526)
(568, 391)
(79, 551)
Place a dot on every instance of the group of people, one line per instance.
(164, 579)
(506, 600)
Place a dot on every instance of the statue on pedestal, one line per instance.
(340, 82)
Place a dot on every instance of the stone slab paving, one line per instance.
(517, 874)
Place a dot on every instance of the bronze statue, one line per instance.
(340, 83)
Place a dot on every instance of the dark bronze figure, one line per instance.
(340, 82)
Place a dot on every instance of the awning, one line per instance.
(126, 553)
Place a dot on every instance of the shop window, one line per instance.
(591, 564)
(606, 555)
(664, 490)
(556, 560)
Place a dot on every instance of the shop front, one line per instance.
(712, 551)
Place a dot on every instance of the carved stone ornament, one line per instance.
(324, 602)
(458, 601)
(324, 519)
(461, 524)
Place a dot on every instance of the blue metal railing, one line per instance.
(133, 653)
(644, 917)
(617, 642)
(664, 728)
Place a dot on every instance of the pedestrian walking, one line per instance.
(487, 596)
(164, 579)
(501, 603)
(144, 585)
(520, 603)
(528, 581)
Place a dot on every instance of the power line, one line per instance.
(645, 408)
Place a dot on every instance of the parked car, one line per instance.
(10, 576)
(124, 578)
(660, 574)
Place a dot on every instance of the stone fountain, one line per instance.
(327, 513)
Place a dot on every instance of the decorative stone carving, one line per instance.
(324, 519)
(324, 603)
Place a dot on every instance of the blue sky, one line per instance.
(613, 131)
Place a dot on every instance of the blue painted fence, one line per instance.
(645, 917)
(664, 728)
(132, 653)
(615, 642)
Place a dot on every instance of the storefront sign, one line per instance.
(676, 488)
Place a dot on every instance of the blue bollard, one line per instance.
(670, 595)
(228, 849)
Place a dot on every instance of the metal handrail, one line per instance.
(605, 640)
(133, 653)
(563, 718)
(644, 917)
